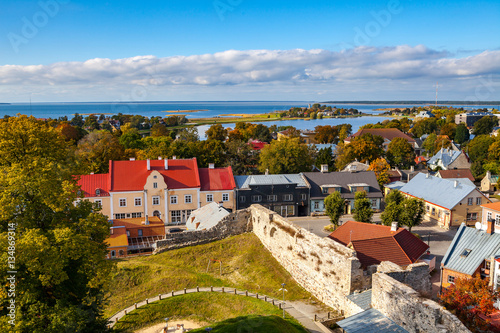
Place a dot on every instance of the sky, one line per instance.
(200, 50)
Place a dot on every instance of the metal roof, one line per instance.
(363, 300)
(370, 321)
(481, 244)
(318, 179)
(446, 156)
(439, 191)
(284, 179)
(395, 185)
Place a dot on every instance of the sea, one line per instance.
(206, 109)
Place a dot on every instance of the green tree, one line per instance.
(91, 123)
(477, 148)
(326, 134)
(189, 134)
(216, 132)
(241, 157)
(429, 144)
(380, 167)
(334, 207)
(285, 156)
(412, 212)
(485, 125)
(392, 209)
(159, 130)
(365, 148)
(363, 211)
(262, 133)
(155, 146)
(325, 156)
(424, 126)
(77, 120)
(95, 151)
(59, 247)
(400, 153)
(131, 139)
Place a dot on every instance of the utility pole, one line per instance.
(283, 288)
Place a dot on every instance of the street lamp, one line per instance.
(283, 288)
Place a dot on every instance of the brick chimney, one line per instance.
(491, 227)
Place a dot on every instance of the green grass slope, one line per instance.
(255, 324)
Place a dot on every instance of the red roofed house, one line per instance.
(258, 145)
(456, 173)
(167, 189)
(388, 134)
(376, 243)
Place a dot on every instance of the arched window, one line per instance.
(113, 254)
(157, 213)
(97, 192)
(120, 253)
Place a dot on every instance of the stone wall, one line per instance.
(407, 308)
(234, 224)
(416, 275)
(328, 270)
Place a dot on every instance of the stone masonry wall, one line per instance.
(234, 224)
(411, 311)
(328, 270)
(415, 275)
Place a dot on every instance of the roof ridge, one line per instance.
(399, 245)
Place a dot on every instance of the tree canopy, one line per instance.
(400, 153)
(485, 125)
(334, 207)
(288, 155)
(363, 211)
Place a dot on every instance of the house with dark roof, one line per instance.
(347, 183)
(376, 243)
(455, 174)
(449, 202)
(167, 189)
(286, 194)
(388, 134)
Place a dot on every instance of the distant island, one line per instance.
(417, 102)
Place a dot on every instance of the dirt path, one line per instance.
(158, 328)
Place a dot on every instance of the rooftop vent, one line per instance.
(211, 165)
(394, 226)
(132, 158)
(166, 163)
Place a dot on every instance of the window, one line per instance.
(155, 177)
(175, 216)
(225, 196)
(157, 213)
(98, 202)
(433, 211)
(471, 216)
(324, 190)
(487, 264)
(497, 219)
(173, 199)
(478, 201)
(287, 197)
(469, 201)
(428, 207)
(316, 205)
(120, 216)
(120, 252)
(156, 200)
(139, 232)
(155, 185)
(123, 202)
(466, 252)
(272, 198)
(188, 198)
(451, 279)
(374, 203)
(128, 233)
(97, 192)
(138, 201)
(489, 217)
(113, 254)
(256, 198)
(303, 196)
(243, 199)
(210, 197)
(134, 215)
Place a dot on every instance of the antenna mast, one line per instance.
(437, 86)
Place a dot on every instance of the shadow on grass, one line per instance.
(255, 324)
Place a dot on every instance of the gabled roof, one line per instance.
(456, 173)
(387, 133)
(492, 205)
(355, 166)
(132, 175)
(206, 217)
(138, 222)
(258, 145)
(370, 321)
(376, 243)
(118, 238)
(89, 184)
(318, 179)
(439, 191)
(395, 185)
(283, 179)
(217, 179)
(481, 245)
(446, 156)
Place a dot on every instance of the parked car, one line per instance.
(174, 230)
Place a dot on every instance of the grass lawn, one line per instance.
(246, 265)
(222, 312)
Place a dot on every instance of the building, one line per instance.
(473, 252)
(447, 159)
(286, 194)
(449, 202)
(490, 182)
(425, 114)
(167, 189)
(388, 134)
(347, 183)
(456, 173)
(491, 212)
(470, 118)
(376, 243)
(206, 217)
(356, 166)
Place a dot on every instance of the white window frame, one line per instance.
(225, 196)
(138, 199)
(155, 200)
(188, 198)
(478, 201)
(135, 215)
(451, 279)
(303, 196)
(122, 202)
(316, 205)
(489, 216)
(155, 185)
(173, 199)
(175, 216)
(256, 198)
(272, 198)
(287, 197)
(242, 199)
(497, 220)
(210, 197)
(98, 201)
(139, 233)
(470, 201)
(119, 216)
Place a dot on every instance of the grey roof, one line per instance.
(317, 179)
(323, 145)
(206, 217)
(446, 156)
(439, 191)
(465, 181)
(285, 179)
(370, 321)
(355, 166)
(481, 244)
(395, 185)
(363, 300)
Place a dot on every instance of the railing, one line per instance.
(139, 243)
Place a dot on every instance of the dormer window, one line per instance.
(97, 192)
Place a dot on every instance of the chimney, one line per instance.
(166, 163)
(132, 158)
(211, 165)
(488, 174)
(412, 168)
(148, 164)
(427, 175)
(324, 168)
(267, 171)
(394, 226)
(491, 227)
(221, 204)
(455, 185)
(159, 158)
(146, 221)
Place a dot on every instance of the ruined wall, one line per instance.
(416, 276)
(408, 309)
(234, 224)
(326, 269)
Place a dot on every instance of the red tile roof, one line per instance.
(387, 133)
(89, 184)
(375, 243)
(492, 205)
(457, 173)
(420, 159)
(258, 145)
(132, 175)
(217, 179)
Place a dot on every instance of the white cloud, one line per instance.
(359, 67)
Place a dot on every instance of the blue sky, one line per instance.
(396, 49)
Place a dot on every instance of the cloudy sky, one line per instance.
(64, 50)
